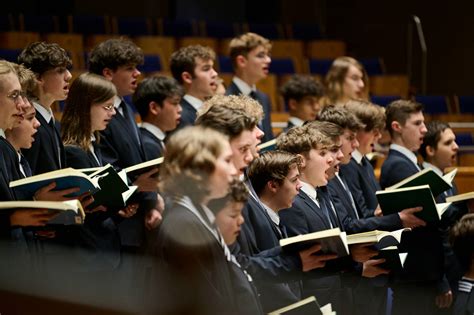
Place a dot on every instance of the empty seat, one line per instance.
(320, 66)
(290, 49)
(152, 63)
(373, 66)
(326, 49)
(384, 100)
(281, 66)
(465, 104)
(18, 40)
(269, 86)
(203, 41)
(464, 139)
(389, 85)
(157, 45)
(225, 64)
(433, 104)
(10, 54)
(73, 43)
(303, 31)
(132, 25)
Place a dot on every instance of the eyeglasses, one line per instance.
(15, 95)
(109, 108)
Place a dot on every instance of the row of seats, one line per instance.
(135, 26)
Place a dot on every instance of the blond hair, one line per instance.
(245, 43)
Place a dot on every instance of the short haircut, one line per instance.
(184, 60)
(245, 43)
(400, 111)
(40, 57)
(341, 117)
(28, 82)
(227, 114)
(238, 194)
(114, 53)
(300, 86)
(156, 89)
(86, 90)
(190, 159)
(433, 135)
(462, 239)
(300, 140)
(6, 67)
(336, 75)
(369, 114)
(271, 166)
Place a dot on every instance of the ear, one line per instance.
(396, 126)
(292, 104)
(272, 186)
(430, 151)
(154, 108)
(108, 73)
(241, 61)
(303, 161)
(187, 77)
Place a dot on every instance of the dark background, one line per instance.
(370, 28)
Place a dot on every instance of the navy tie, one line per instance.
(26, 166)
(129, 117)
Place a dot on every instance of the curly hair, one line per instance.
(40, 57)
(371, 115)
(300, 86)
(190, 158)
(114, 53)
(341, 117)
(86, 90)
(184, 60)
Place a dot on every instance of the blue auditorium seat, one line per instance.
(282, 66)
(10, 54)
(319, 66)
(267, 30)
(373, 66)
(466, 104)
(134, 26)
(384, 100)
(152, 63)
(225, 64)
(433, 104)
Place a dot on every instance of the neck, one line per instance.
(246, 78)
(194, 93)
(305, 179)
(269, 201)
(398, 140)
(12, 142)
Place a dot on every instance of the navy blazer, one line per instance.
(151, 144)
(195, 261)
(43, 156)
(362, 186)
(262, 234)
(425, 260)
(351, 223)
(120, 148)
(264, 100)
(288, 126)
(6, 194)
(188, 114)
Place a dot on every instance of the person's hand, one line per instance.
(444, 300)
(46, 193)
(362, 252)
(31, 217)
(86, 200)
(129, 210)
(147, 181)
(409, 219)
(371, 268)
(310, 259)
(378, 212)
(153, 219)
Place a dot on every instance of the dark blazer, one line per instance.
(263, 234)
(151, 144)
(306, 217)
(362, 186)
(351, 223)
(424, 245)
(98, 238)
(288, 126)
(120, 148)
(188, 114)
(6, 194)
(264, 100)
(195, 261)
(43, 156)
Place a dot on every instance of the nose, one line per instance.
(179, 108)
(455, 146)
(361, 83)
(248, 157)
(259, 133)
(232, 169)
(36, 123)
(268, 59)
(214, 73)
(68, 75)
(355, 143)
(423, 128)
(240, 220)
(299, 185)
(136, 72)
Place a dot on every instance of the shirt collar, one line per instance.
(357, 156)
(154, 130)
(410, 155)
(243, 86)
(434, 168)
(272, 214)
(117, 101)
(296, 121)
(194, 101)
(47, 114)
(309, 190)
(2, 133)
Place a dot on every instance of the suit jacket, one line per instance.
(151, 144)
(193, 258)
(288, 126)
(263, 234)
(6, 194)
(43, 156)
(264, 100)
(362, 187)
(351, 223)
(120, 148)
(425, 258)
(188, 114)
(98, 237)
